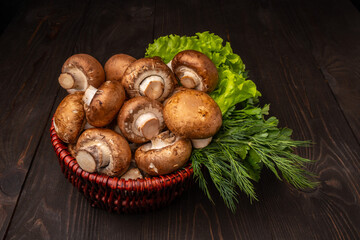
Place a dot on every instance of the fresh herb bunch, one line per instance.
(246, 141)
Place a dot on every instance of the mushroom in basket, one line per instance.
(103, 104)
(195, 70)
(149, 77)
(103, 151)
(117, 65)
(140, 119)
(69, 117)
(81, 71)
(200, 117)
(165, 154)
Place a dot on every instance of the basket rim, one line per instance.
(145, 184)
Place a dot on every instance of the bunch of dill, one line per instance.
(244, 144)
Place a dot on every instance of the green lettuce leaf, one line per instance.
(233, 87)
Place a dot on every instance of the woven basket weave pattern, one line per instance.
(119, 195)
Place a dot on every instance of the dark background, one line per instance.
(10, 8)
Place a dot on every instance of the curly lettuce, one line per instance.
(233, 87)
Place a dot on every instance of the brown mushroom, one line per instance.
(102, 105)
(104, 151)
(69, 117)
(81, 71)
(200, 117)
(116, 66)
(165, 154)
(141, 119)
(195, 70)
(149, 77)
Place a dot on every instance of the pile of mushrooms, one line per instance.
(137, 118)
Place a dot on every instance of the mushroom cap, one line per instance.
(144, 68)
(118, 146)
(105, 104)
(89, 66)
(200, 64)
(200, 115)
(69, 117)
(159, 161)
(117, 65)
(130, 112)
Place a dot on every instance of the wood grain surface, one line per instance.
(304, 58)
(33, 47)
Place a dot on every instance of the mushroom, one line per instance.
(149, 77)
(116, 66)
(69, 117)
(195, 70)
(80, 71)
(132, 173)
(165, 154)
(140, 119)
(200, 116)
(102, 105)
(104, 151)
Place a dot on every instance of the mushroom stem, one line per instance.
(73, 78)
(89, 95)
(201, 143)
(188, 77)
(148, 125)
(94, 155)
(66, 80)
(86, 161)
(188, 82)
(152, 87)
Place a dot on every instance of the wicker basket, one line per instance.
(119, 195)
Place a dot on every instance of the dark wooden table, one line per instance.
(304, 57)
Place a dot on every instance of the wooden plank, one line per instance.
(335, 45)
(8, 10)
(188, 18)
(28, 89)
(285, 71)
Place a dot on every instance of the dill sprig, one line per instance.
(245, 143)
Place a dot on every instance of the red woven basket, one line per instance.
(119, 195)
